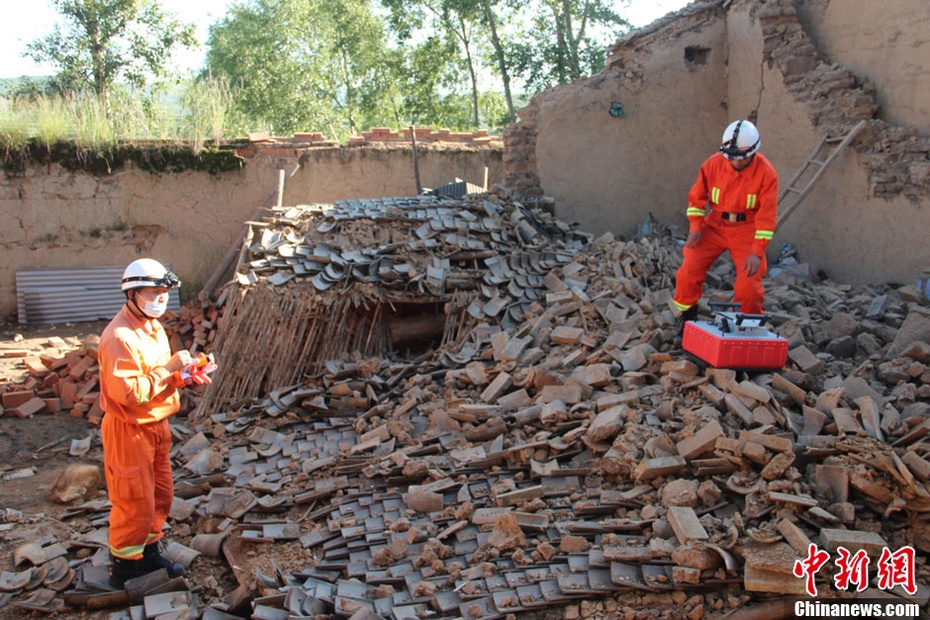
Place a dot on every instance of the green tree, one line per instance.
(456, 21)
(104, 41)
(565, 40)
(428, 75)
(305, 64)
(501, 57)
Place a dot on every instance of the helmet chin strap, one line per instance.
(132, 299)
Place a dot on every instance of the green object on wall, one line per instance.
(616, 109)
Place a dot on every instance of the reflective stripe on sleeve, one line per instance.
(696, 212)
(765, 234)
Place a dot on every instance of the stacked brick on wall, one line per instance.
(521, 176)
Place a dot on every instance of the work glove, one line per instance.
(199, 376)
(199, 372)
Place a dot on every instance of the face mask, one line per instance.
(154, 309)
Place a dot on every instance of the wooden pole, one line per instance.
(280, 187)
(236, 248)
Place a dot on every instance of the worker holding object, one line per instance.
(139, 382)
(732, 206)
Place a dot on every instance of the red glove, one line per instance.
(199, 376)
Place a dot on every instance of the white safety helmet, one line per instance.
(148, 272)
(740, 140)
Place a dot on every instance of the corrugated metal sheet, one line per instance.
(73, 294)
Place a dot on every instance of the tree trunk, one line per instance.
(574, 66)
(471, 71)
(501, 61)
(562, 47)
(98, 58)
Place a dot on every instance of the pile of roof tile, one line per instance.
(554, 449)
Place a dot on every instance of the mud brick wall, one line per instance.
(53, 217)
(780, 63)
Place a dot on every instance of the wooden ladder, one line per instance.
(812, 170)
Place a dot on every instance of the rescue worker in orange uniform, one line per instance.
(139, 381)
(732, 206)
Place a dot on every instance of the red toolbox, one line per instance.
(735, 340)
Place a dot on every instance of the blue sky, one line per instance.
(34, 18)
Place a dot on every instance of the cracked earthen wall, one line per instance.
(682, 79)
(52, 217)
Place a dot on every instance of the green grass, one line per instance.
(198, 114)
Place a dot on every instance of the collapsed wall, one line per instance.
(678, 82)
(548, 448)
(55, 216)
(392, 277)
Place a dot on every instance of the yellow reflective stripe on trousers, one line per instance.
(765, 234)
(715, 195)
(751, 201)
(128, 552)
(696, 212)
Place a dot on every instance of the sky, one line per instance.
(32, 19)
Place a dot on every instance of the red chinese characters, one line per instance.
(809, 566)
(853, 569)
(897, 569)
(894, 569)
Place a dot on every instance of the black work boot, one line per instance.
(154, 561)
(122, 570)
(691, 314)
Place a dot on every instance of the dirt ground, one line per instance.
(34, 451)
(40, 444)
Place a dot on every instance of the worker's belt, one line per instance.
(733, 217)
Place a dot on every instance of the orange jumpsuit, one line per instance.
(721, 192)
(137, 394)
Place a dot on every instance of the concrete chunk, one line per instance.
(608, 424)
(686, 525)
(498, 386)
(776, 444)
(853, 541)
(701, 442)
(759, 580)
(422, 499)
(595, 375)
(661, 466)
(805, 360)
(794, 536)
(566, 335)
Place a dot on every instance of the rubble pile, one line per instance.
(563, 454)
(375, 276)
(62, 375)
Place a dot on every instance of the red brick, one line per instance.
(29, 408)
(15, 399)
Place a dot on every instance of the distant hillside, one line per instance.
(9, 85)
